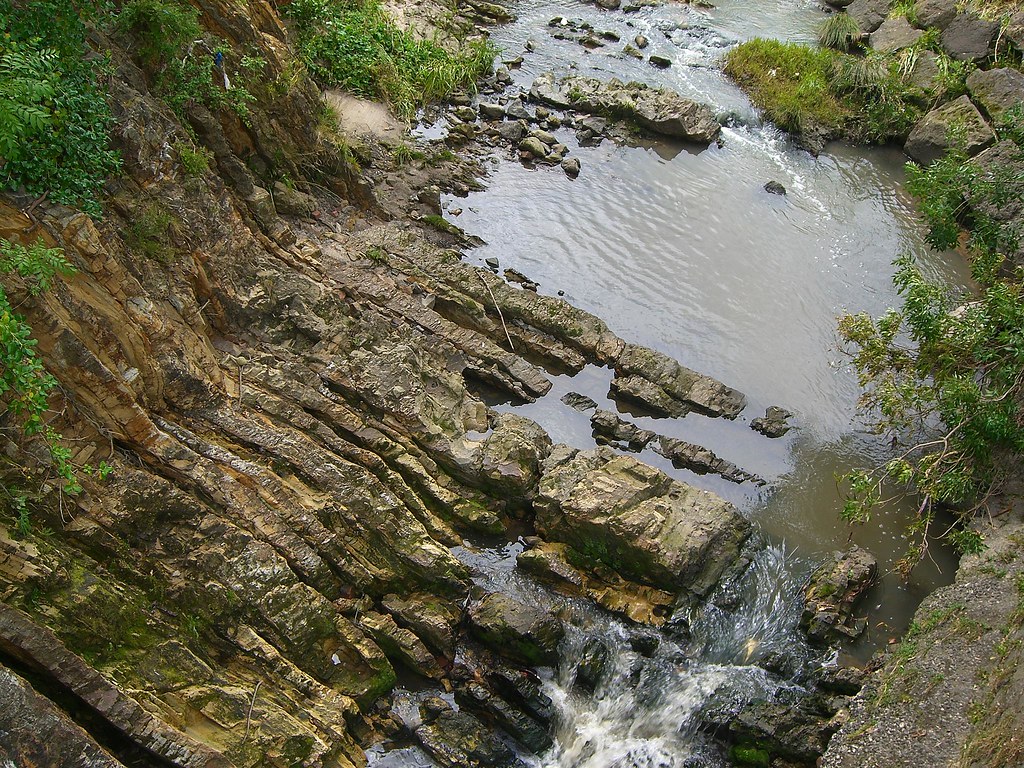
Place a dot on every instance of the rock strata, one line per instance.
(655, 109)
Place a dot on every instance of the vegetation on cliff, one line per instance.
(54, 117)
(358, 46)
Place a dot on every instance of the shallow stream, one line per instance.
(680, 248)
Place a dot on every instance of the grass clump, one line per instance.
(840, 32)
(792, 83)
(358, 47)
(54, 117)
(149, 234)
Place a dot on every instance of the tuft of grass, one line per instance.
(803, 89)
(358, 47)
(195, 161)
(149, 234)
(839, 32)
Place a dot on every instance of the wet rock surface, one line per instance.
(832, 595)
(521, 632)
(933, 136)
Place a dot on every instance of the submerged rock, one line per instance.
(677, 389)
(774, 188)
(701, 460)
(617, 512)
(656, 109)
(832, 593)
(578, 402)
(608, 427)
(460, 740)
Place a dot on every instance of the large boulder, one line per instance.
(968, 38)
(459, 740)
(657, 109)
(832, 594)
(996, 90)
(934, 14)
(616, 512)
(520, 631)
(957, 122)
(894, 34)
(869, 14)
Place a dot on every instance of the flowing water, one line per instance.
(680, 248)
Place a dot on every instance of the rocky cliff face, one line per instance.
(288, 407)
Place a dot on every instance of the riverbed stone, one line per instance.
(618, 512)
(774, 188)
(774, 423)
(944, 127)
(579, 402)
(512, 131)
(647, 394)
(869, 14)
(832, 594)
(894, 34)
(491, 111)
(968, 38)
(657, 109)
(516, 110)
(609, 427)
(701, 460)
(571, 166)
(533, 147)
(996, 90)
(934, 14)
(661, 62)
(519, 631)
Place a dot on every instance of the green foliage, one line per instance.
(54, 118)
(182, 56)
(944, 376)
(357, 46)
(790, 82)
(839, 31)
(25, 385)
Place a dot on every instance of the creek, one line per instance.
(681, 249)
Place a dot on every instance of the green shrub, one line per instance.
(952, 399)
(195, 161)
(182, 57)
(358, 47)
(54, 118)
(25, 385)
